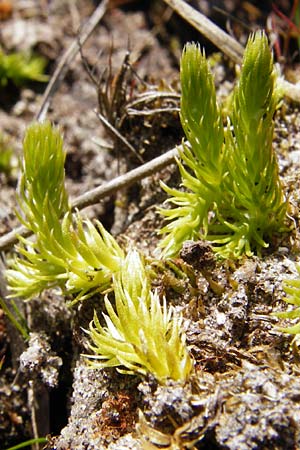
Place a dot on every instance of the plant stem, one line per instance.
(94, 195)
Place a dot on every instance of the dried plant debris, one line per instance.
(267, 400)
(103, 410)
(255, 407)
(141, 118)
(177, 416)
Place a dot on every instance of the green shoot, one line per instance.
(20, 68)
(5, 156)
(292, 289)
(201, 165)
(254, 208)
(140, 335)
(67, 251)
(231, 192)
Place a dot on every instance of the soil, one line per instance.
(244, 392)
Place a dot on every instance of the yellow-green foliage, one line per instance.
(231, 195)
(140, 334)
(292, 289)
(68, 250)
(20, 68)
(5, 155)
(5, 160)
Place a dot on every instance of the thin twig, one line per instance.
(68, 57)
(226, 43)
(151, 112)
(116, 133)
(290, 90)
(94, 195)
(151, 96)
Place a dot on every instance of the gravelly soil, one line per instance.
(244, 393)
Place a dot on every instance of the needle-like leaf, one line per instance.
(230, 193)
(139, 335)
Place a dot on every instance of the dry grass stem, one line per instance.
(226, 43)
(69, 56)
(94, 195)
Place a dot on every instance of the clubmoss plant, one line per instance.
(6, 155)
(292, 289)
(231, 192)
(67, 251)
(21, 67)
(140, 335)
